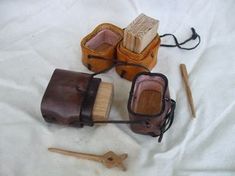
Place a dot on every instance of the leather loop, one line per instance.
(88, 102)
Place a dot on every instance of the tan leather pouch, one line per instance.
(103, 48)
(102, 42)
(137, 62)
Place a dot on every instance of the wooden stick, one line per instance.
(188, 90)
(109, 159)
(77, 154)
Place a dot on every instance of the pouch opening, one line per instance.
(103, 40)
(148, 95)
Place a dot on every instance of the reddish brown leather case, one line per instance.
(69, 98)
(149, 100)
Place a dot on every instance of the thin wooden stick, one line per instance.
(77, 154)
(188, 90)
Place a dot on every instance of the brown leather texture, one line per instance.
(147, 58)
(142, 84)
(69, 98)
(97, 65)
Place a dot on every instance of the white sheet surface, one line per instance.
(38, 36)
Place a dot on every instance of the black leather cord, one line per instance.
(168, 121)
(115, 63)
(179, 45)
(123, 121)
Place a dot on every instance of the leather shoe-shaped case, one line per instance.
(149, 100)
(146, 60)
(69, 98)
(102, 43)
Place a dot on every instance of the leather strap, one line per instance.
(89, 101)
(168, 120)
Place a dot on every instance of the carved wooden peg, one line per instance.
(109, 159)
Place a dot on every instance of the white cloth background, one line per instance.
(38, 36)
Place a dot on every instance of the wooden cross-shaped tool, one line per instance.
(109, 159)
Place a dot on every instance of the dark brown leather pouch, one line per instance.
(69, 98)
(150, 102)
